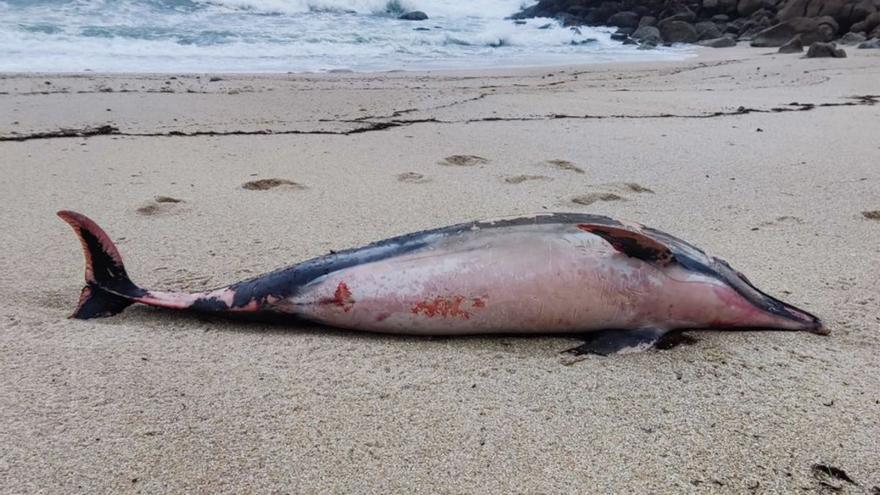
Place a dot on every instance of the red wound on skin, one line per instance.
(446, 307)
(342, 297)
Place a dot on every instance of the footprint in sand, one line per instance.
(519, 179)
(564, 165)
(872, 214)
(628, 187)
(266, 184)
(161, 205)
(612, 191)
(782, 220)
(463, 161)
(588, 199)
(412, 178)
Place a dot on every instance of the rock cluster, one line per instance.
(720, 23)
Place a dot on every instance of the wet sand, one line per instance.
(768, 161)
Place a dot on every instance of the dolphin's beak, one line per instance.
(822, 330)
(784, 315)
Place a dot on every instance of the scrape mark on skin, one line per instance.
(342, 297)
(447, 307)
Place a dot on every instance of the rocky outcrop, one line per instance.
(707, 30)
(819, 50)
(644, 33)
(764, 22)
(415, 15)
(852, 38)
(624, 19)
(722, 42)
(676, 31)
(809, 29)
(794, 45)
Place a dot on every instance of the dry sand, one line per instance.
(152, 401)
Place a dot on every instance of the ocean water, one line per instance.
(291, 36)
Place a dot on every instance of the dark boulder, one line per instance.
(677, 12)
(777, 35)
(647, 21)
(861, 11)
(867, 24)
(820, 50)
(646, 33)
(678, 32)
(707, 30)
(874, 43)
(624, 19)
(722, 42)
(727, 6)
(852, 38)
(718, 6)
(537, 10)
(604, 11)
(794, 45)
(748, 7)
(415, 15)
(720, 18)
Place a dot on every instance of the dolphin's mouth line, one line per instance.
(764, 301)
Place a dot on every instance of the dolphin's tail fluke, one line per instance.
(108, 289)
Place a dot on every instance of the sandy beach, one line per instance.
(769, 161)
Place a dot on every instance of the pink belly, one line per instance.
(515, 283)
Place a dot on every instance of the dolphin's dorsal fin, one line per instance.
(632, 243)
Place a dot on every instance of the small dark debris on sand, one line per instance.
(149, 210)
(872, 214)
(565, 165)
(830, 476)
(161, 205)
(519, 179)
(463, 160)
(637, 188)
(167, 199)
(412, 178)
(588, 199)
(264, 184)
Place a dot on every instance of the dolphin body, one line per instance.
(621, 285)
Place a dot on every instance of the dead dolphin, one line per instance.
(623, 285)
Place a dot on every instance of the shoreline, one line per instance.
(691, 52)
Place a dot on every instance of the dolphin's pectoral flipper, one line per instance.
(607, 342)
(632, 243)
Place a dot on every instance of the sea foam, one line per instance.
(290, 36)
